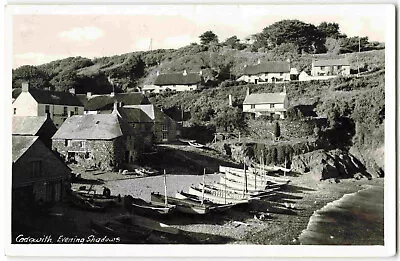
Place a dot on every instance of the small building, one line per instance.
(330, 67)
(178, 82)
(268, 104)
(36, 102)
(268, 72)
(38, 174)
(164, 128)
(41, 126)
(102, 140)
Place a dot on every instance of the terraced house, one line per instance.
(269, 104)
(178, 82)
(57, 105)
(330, 67)
(268, 72)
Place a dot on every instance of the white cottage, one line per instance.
(330, 67)
(269, 104)
(268, 72)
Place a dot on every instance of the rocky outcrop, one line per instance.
(327, 164)
(372, 159)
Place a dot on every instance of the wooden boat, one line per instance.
(269, 168)
(116, 229)
(253, 174)
(229, 190)
(196, 145)
(250, 187)
(182, 205)
(254, 181)
(98, 199)
(147, 223)
(142, 207)
(218, 198)
(212, 206)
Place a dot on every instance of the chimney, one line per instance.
(89, 94)
(25, 86)
(258, 61)
(158, 73)
(284, 90)
(69, 114)
(184, 72)
(72, 90)
(230, 100)
(248, 91)
(201, 72)
(112, 94)
(115, 106)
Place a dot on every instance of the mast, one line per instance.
(202, 192)
(165, 189)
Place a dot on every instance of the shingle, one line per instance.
(20, 144)
(268, 67)
(177, 79)
(331, 62)
(262, 98)
(93, 127)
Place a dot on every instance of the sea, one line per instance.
(354, 219)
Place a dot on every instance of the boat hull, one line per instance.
(184, 206)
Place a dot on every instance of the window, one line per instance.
(65, 110)
(272, 105)
(47, 109)
(76, 110)
(165, 136)
(67, 142)
(82, 144)
(36, 168)
(15, 110)
(164, 127)
(253, 106)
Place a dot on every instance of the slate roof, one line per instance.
(268, 67)
(153, 113)
(54, 97)
(134, 115)
(331, 62)
(20, 144)
(106, 101)
(27, 125)
(177, 79)
(93, 127)
(263, 98)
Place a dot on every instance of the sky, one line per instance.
(41, 34)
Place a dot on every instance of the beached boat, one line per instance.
(250, 187)
(256, 180)
(85, 204)
(218, 198)
(212, 206)
(253, 174)
(182, 205)
(196, 145)
(229, 190)
(142, 207)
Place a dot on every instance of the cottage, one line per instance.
(102, 140)
(268, 72)
(164, 128)
(36, 102)
(178, 82)
(269, 104)
(38, 174)
(330, 67)
(41, 126)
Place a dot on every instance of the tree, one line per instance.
(208, 37)
(306, 36)
(36, 77)
(229, 118)
(329, 29)
(350, 45)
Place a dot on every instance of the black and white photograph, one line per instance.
(191, 127)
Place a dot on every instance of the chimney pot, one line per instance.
(25, 86)
(112, 94)
(72, 90)
(89, 94)
(184, 72)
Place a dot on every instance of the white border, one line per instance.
(208, 250)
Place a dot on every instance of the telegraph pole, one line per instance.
(359, 50)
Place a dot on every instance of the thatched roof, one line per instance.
(267, 67)
(93, 127)
(331, 62)
(178, 79)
